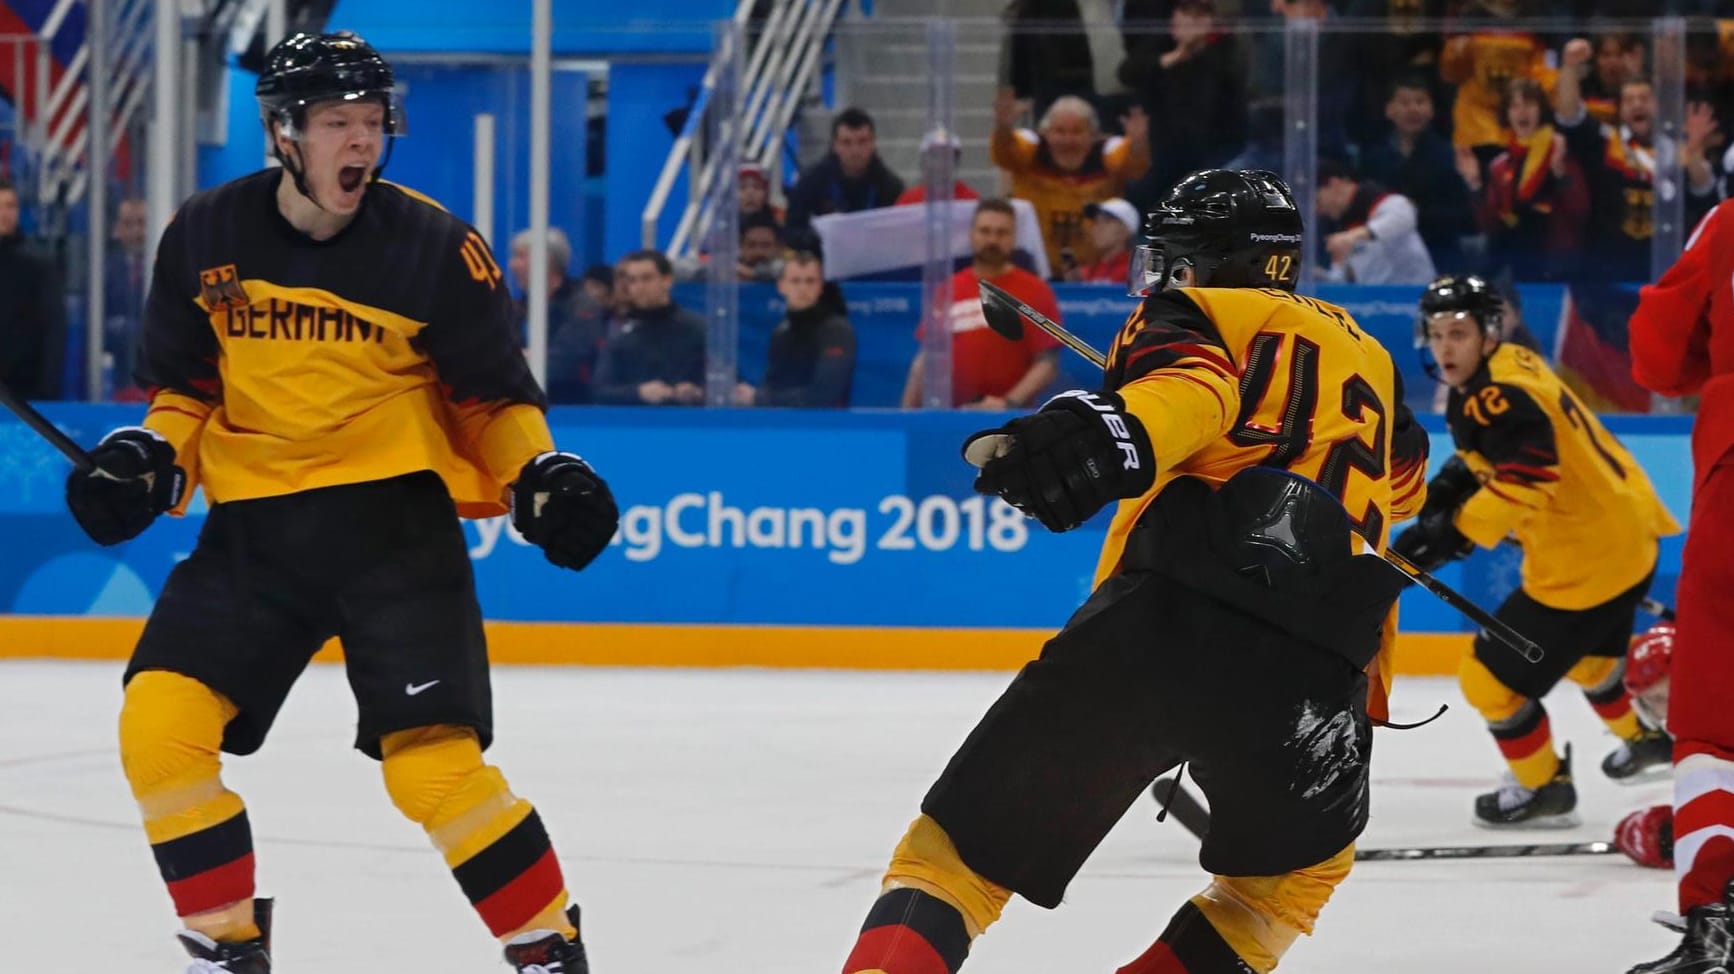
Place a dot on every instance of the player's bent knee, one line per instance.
(927, 860)
(1492, 699)
(171, 730)
(1260, 916)
(433, 772)
(1597, 673)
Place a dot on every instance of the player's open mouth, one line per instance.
(350, 177)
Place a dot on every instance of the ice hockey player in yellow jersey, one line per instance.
(1534, 465)
(1233, 623)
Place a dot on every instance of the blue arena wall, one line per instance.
(792, 522)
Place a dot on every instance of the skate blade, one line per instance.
(1566, 820)
(1660, 772)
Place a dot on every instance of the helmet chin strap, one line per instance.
(296, 172)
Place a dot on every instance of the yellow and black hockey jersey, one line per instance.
(1229, 378)
(280, 364)
(1556, 479)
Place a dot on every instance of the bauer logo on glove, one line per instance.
(1062, 464)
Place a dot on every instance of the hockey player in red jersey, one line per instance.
(1682, 342)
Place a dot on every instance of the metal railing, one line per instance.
(59, 135)
(785, 52)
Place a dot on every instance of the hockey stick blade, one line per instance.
(1174, 798)
(48, 431)
(1005, 314)
(1486, 852)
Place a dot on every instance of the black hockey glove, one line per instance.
(560, 505)
(135, 479)
(1451, 486)
(1062, 464)
(1432, 540)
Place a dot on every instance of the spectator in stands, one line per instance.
(1710, 66)
(657, 356)
(123, 292)
(1371, 234)
(1482, 63)
(1191, 83)
(1065, 164)
(620, 301)
(1418, 162)
(1405, 47)
(1535, 200)
(761, 248)
(32, 311)
(1619, 57)
(598, 283)
(936, 147)
(812, 355)
(1511, 326)
(1620, 164)
(1112, 225)
(754, 192)
(849, 179)
(988, 371)
(1047, 53)
(576, 323)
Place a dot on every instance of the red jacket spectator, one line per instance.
(983, 364)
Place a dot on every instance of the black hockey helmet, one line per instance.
(306, 69)
(1232, 228)
(1463, 295)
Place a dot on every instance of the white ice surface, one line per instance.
(736, 821)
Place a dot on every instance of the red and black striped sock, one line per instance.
(910, 932)
(1526, 740)
(512, 878)
(208, 869)
(1190, 945)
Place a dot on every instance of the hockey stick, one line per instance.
(1005, 315)
(48, 431)
(1178, 800)
(1486, 851)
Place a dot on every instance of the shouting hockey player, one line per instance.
(1232, 623)
(1682, 345)
(1532, 462)
(332, 358)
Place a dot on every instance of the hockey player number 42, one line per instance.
(1293, 433)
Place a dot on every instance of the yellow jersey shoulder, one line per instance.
(1514, 365)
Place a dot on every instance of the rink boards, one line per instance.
(767, 537)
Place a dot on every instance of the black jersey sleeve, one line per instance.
(469, 336)
(176, 347)
(1168, 329)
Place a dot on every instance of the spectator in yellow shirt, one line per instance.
(1482, 63)
(1066, 163)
